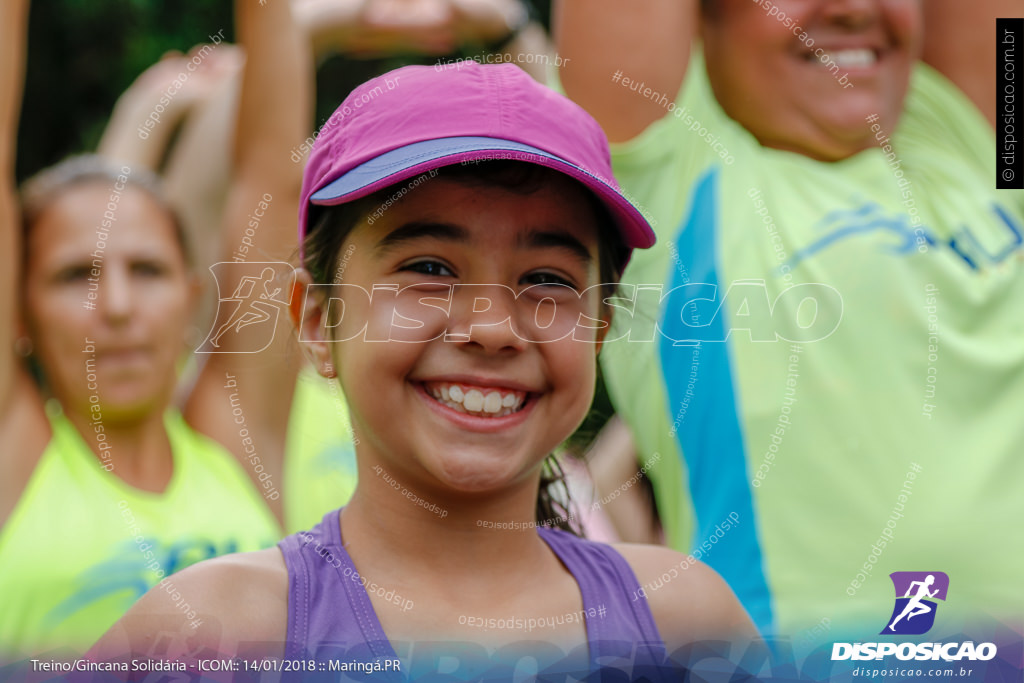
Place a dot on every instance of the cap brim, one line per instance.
(416, 158)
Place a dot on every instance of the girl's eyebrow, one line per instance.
(415, 230)
(558, 239)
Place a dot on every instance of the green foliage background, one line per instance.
(84, 53)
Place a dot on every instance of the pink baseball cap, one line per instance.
(419, 118)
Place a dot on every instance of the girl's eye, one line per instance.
(546, 278)
(429, 268)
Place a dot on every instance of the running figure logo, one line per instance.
(258, 292)
(916, 592)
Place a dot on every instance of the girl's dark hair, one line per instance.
(330, 227)
(46, 186)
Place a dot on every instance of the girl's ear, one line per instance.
(307, 313)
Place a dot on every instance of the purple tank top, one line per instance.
(330, 615)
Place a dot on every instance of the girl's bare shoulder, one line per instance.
(219, 605)
(689, 601)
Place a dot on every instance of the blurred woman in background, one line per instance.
(105, 487)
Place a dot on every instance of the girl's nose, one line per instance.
(484, 317)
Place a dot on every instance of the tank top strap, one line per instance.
(615, 610)
(317, 563)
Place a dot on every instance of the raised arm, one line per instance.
(148, 113)
(960, 41)
(646, 41)
(371, 27)
(13, 29)
(274, 116)
(23, 427)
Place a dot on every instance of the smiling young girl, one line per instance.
(459, 230)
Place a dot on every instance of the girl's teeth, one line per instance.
(474, 401)
(492, 404)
